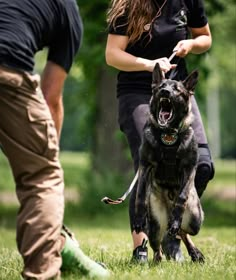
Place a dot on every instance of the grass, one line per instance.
(113, 247)
(103, 231)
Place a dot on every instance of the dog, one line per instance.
(166, 200)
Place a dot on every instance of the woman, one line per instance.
(142, 33)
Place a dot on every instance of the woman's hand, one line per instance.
(200, 42)
(184, 47)
(164, 63)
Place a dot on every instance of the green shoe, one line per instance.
(73, 257)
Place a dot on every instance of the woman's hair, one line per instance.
(138, 13)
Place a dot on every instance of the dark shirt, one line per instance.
(167, 30)
(27, 26)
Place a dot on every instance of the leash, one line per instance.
(172, 56)
(172, 71)
(121, 199)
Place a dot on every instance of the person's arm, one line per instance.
(117, 57)
(199, 43)
(52, 82)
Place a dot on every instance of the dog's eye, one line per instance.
(177, 89)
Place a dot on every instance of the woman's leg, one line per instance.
(132, 117)
(205, 168)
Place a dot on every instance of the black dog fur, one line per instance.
(167, 201)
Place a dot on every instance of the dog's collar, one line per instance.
(169, 138)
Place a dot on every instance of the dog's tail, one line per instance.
(119, 200)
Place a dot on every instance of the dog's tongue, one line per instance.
(165, 115)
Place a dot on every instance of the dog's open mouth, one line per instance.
(165, 111)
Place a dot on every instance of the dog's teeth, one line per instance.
(165, 99)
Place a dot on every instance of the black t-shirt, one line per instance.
(27, 26)
(167, 30)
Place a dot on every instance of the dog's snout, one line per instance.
(165, 92)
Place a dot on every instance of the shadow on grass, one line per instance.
(217, 214)
(104, 216)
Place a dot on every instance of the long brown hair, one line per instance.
(138, 14)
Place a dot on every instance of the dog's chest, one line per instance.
(166, 170)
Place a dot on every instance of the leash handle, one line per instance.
(172, 71)
(119, 200)
(172, 56)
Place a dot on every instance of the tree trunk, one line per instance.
(110, 143)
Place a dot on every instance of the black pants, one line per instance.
(133, 113)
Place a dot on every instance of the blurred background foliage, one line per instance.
(95, 157)
(90, 99)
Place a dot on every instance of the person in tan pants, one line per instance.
(31, 117)
(29, 140)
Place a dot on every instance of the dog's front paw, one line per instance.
(139, 224)
(174, 228)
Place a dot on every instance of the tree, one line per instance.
(223, 70)
(107, 145)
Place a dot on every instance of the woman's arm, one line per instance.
(117, 57)
(199, 43)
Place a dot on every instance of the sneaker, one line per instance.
(140, 253)
(171, 248)
(74, 258)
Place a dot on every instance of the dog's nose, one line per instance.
(165, 92)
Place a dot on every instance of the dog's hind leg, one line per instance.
(193, 215)
(191, 224)
(195, 254)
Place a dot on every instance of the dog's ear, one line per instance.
(191, 81)
(157, 76)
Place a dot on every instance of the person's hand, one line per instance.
(164, 63)
(184, 47)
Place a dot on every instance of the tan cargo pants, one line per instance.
(29, 140)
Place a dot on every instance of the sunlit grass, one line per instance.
(113, 247)
(103, 230)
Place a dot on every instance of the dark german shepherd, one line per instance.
(167, 200)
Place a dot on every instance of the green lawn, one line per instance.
(113, 247)
(103, 230)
